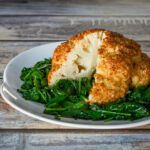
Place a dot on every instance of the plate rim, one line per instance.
(59, 122)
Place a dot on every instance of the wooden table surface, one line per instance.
(28, 23)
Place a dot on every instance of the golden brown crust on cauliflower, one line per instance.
(120, 65)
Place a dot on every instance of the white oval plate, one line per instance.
(12, 82)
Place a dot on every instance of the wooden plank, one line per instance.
(72, 140)
(12, 119)
(61, 28)
(10, 49)
(78, 7)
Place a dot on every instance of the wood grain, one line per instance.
(78, 7)
(74, 140)
(28, 23)
(63, 27)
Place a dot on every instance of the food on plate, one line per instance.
(118, 62)
(96, 75)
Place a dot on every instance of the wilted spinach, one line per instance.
(67, 98)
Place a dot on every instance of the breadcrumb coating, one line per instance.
(141, 72)
(118, 61)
